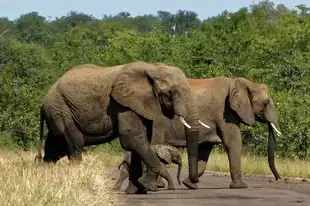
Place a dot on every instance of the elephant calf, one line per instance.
(167, 155)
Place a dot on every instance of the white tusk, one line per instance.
(274, 127)
(203, 124)
(185, 123)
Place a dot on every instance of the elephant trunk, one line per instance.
(192, 135)
(179, 169)
(271, 149)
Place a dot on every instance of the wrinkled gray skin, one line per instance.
(92, 105)
(224, 104)
(167, 155)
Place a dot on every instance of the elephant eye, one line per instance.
(168, 95)
(266, 102)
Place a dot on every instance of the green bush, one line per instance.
(265, 42)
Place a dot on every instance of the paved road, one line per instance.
(214, 190)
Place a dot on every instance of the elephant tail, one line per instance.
(125, 164)
(119, 166)
(38, 157)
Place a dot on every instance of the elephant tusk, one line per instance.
(185, 123)
(203, 124)
(275, 129)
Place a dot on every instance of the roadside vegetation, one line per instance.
(263, 42)
(24, 183)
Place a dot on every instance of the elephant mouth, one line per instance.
(260, 118)
(168, 110)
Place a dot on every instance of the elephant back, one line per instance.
(84, 91)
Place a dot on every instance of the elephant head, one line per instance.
(169, 154)
(253, 102)
(154, 89)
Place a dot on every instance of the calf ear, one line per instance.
(163, 153)
(240, 102)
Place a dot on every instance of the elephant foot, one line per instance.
(189, 184)
(116, 187)
(160, 186)
(139, 191)
(160, 183)
(171, 187)
(237, 185)
(132, 189)
(148, 181)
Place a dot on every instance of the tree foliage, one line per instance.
(264, 42)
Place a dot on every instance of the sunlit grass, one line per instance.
(24, 183)
(90, 183)
(257, 165)
(251, 165)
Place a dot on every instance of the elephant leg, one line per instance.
(133, 137)
(204, 151)
(165, 174)
(232, 141)
(75, 140)
(160, 183)
(122, 176)
(135, 172)
(55, 148)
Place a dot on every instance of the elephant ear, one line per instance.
(240, 101)
(163, 153)
(135, 87)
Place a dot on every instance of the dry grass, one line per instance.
(252, 165)
(24, 183)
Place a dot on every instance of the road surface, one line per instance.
(213, 190)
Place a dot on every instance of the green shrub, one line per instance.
(264, 42)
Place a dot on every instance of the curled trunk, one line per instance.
(271, 151)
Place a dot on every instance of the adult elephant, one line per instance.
(91, 105)
(224, 104)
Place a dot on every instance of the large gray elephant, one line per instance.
(167, 155)
(92, 105)
(223, 104)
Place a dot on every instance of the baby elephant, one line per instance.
(166, 154)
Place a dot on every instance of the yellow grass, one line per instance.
(252, 165)
(24, 183)
(90, 183)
